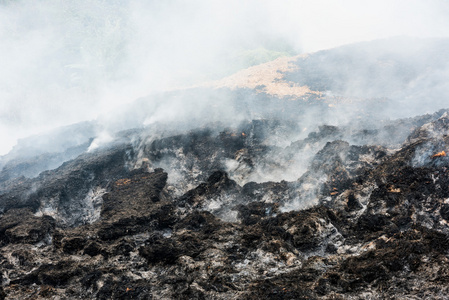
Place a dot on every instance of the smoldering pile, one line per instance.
(360, 213)
(243, 194)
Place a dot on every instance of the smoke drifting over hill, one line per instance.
(65, 62)
(224, 149)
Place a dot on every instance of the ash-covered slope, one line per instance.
(239, 192)
(361, 220)
(401, 73)
(363, 83)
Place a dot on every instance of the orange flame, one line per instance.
(243, 134)
(439, 154)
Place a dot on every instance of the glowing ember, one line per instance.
(439, 154)
(121, 182)
(394, 190)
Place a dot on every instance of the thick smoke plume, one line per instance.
(65, 62)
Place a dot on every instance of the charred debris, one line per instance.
(196, 215)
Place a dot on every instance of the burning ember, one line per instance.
(121, 182)
(439, 154)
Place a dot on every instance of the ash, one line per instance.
(228, 213)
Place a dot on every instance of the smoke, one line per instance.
(67, 61)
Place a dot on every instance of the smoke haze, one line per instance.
(68, 61)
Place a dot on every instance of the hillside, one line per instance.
(294, 179)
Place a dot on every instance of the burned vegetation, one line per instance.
(197, 215)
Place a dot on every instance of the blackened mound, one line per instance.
(178, 217)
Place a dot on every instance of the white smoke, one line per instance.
(67, 61)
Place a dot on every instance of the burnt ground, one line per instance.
(196, 215)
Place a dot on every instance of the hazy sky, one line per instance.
(66, 61)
